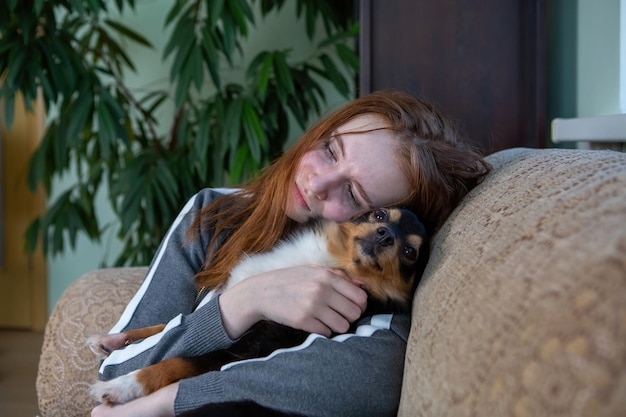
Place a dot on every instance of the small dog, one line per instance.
(385, 249)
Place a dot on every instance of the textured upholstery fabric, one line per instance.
(67, 367)
(522, 311)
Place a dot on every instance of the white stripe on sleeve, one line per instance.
(378, 322)
(122, 355)
(134, 302)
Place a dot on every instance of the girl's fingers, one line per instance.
(310, 298)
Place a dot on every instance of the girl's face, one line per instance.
(349, 174)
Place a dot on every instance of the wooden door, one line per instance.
(482, 62)
(23, 290)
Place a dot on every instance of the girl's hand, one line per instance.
(311, 298)
(157, 404)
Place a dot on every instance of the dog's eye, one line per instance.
(380, 215)
(409, 253)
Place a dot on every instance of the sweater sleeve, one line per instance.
(358, 374)
(168, 295)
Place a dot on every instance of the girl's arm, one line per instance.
(158, 404)
(349, 375)
(169, 288)
(317, 300)
(167, 295)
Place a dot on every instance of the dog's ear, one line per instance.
(422, 261)
(410, 220)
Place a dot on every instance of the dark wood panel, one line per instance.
(480, 61)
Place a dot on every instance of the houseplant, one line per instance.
(108, 134)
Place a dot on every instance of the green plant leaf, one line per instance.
(106, 129)
(9, 110)
(128, 32)
(195, 63)
(238, 164)
(166, 187)
(284, 82)
(240, 12)
(11, 4)
(7, 45)
(176, 9)
(310, 19)
(334, 75)
(87, 217)
(48, 92)
(18, 58)
(153, 100)
(81, 110)
(347, 56)
(257, 140)
(37, 170)
(182, 36)
(31, 238)
(232, 123)
(215, 10)
(264, 74)
(269, 5)
(121, 58)
(117, 116)
(201, 141)
(55, 54)
(228, 36)
(210, 56)
(94, 6)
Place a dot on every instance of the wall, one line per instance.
(562, 26)
(586, 59)
(279, 30)
(598, 61)
(622, 53)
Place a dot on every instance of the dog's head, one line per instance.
(386, 249)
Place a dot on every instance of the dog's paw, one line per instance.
(117, 391)
(103, 344)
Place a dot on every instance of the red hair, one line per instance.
(441, 169)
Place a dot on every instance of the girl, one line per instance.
(384, 149)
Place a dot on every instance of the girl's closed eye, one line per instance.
(352, 197)
(332, 156)
(329, 151)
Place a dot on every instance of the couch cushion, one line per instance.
(67, 367)
(522, 309)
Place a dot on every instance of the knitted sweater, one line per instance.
(356, 374)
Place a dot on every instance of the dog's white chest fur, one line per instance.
(306, 248)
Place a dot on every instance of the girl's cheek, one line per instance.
(338, 214)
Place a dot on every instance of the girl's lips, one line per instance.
(299, 198)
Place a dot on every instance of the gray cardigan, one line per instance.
(356, 374)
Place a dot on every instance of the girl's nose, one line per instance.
(322, 183)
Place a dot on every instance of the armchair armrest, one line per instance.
(67, 368)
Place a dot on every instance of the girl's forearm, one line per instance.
(158, 404)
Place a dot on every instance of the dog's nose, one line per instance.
(384, 236)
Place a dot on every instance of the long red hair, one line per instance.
(439, 165)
